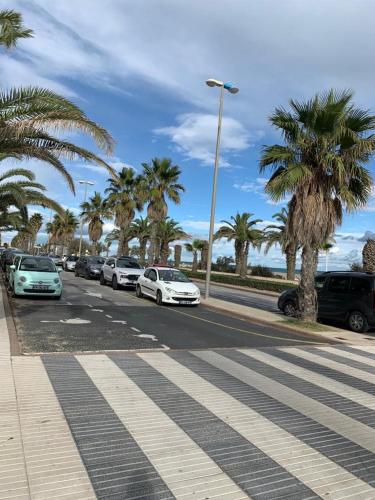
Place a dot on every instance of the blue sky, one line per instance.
(138, 68)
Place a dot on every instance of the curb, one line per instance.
(287, 328)
(15, 348)
(241, 288)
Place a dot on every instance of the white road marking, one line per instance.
(69, 303)
(93, 294)
(108, 316)
(147, 336)
(135, 329)
(97, 310)
(71, 321)
(119, 321)
(165, 347)
(89, 305)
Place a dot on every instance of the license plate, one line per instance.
(185, 302)
(40, 287)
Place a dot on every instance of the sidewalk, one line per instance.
(279, 320)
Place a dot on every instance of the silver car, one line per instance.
(70, 263)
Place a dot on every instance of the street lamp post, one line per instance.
(233, 90)
(86, 183)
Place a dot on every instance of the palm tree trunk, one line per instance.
(153, 243)
(164, 254)
(142, 250)
(291, 256)
(177, 255)
(195, 261)
(245, 256)
(307, 304)
(238, 248)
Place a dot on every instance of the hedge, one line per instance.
(272, 286)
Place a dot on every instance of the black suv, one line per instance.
(342, 296)
(89, 267)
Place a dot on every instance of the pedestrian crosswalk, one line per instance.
(274, 423)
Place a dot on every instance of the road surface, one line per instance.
(91, 317)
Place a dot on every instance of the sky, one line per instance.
(139, 68)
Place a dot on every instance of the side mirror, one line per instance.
(112, 266)
(12, 267)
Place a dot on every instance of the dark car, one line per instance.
(342, 296)
(7, 259)
(89, 267)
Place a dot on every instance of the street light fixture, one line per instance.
(233, 90)
(86, 183)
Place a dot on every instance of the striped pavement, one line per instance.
(292, 423)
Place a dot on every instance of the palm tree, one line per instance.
(16, 195)
(160, 182)
(277, 235)
(66, 225)
(29, 115)
(94, 213)
(169, 231)
(142, 231)
(194, 247)
(368, 256)
(35, 223)
(12, 28)
(125, 235)
(123, 199)
(240, 229)
(327, 142)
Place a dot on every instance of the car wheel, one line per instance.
(114, 283)
(358, 322)
(138, 291)
(101, 279)
(159, 298)
(289, 309)
(13, 293)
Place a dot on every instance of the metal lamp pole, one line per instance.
(232, 90)
(86, 183)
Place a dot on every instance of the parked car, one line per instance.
(7, 259)
(89, 267)
(342, 296)
(57, 259)
(121, 272)
(70, 262)
(34, 275)
(167, 285)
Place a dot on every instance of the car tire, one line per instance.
(159, 298)
(289, 309)
(358, 322)
(138, 291)
(101, 279)
(115, 283)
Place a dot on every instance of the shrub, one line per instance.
(356, 266)
(272, 286)
(263, 271)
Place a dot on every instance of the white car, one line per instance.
(70, 263)
(123, 271)
(168, 286)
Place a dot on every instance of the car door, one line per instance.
(152, 277)
(360, 297)
(107, 270)
(333, 298)
(13, 271)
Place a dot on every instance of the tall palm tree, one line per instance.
(142, 231)
(368, 256)
(276, 234)
(94, 213)
(125, 235)
(194, 247)
(160, 183)
(321, 165)
(241, 230)
(124, 198)
(169, 231)
(66, 225)
(35, 224)
(29, 115)
(12, 28)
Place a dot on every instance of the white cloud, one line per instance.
(199, 225)
(195, 137)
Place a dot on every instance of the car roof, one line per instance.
(167, 268)
(348, 274)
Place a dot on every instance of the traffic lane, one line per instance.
(92, 317)
(245, 298)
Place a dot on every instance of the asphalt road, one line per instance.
(245, 298)
(91, 317)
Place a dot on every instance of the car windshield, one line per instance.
(96, 260)
(129, 264)
(173, 275)
(72, 258)
(43, 264)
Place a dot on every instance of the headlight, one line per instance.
(56, 280)
(23, 279)
(169, 290)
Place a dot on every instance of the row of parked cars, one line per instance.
(165, 285)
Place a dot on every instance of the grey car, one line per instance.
(89, 267)
(345, 297)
